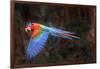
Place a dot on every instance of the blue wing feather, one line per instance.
(36, 45)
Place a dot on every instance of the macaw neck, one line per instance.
(36, 26)
(37, 30)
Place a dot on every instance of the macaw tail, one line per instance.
(36, 45)
(60, 33)
(63, 34)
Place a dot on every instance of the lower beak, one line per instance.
(27, 29)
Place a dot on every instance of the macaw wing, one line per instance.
(60, 33)
(36, 45)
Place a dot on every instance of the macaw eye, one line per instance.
(32, 23)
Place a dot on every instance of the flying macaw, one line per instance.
(39, 38)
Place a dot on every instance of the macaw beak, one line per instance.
(27, 28)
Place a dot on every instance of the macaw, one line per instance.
(39, 38)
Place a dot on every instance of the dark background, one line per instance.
(76, 18)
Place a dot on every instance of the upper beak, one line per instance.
(27, 29)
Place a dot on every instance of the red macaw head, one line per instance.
(28, 27)
(33, 29)
(32, 26)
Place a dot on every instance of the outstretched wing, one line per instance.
(36, 45)
(60, 33)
